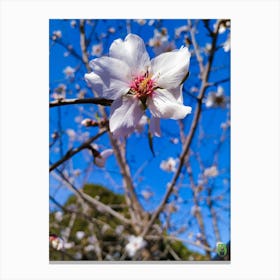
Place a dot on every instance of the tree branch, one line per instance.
(74, 151)
(99, 101)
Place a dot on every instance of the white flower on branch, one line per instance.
(140, 21)
(56, 242)
(134, 244)
(97, 49)
(169, 165)
(69, 72)
(57, 34)
(160, 42)
(216, 98)
(226, 45)
(101, 159)
(146, 194)
(174, 140)
(136, 83)
(211, 172)
(59, 92)
(73, 23)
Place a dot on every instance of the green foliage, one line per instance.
(106, 229)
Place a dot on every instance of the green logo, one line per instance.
(221, 249)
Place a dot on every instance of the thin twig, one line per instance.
(98, 205)
(83, 45)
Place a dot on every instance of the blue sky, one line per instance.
(205, 142)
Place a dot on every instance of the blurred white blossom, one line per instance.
(211, 171)
(169, 165)
(97, 49)
(226, 45)
(119, 229)
(78, 256)
(216, 98)
(140, 21)
(57, 34)
(174, 140)
(112, 30)
(58, 216)
(80, 235)
(69, 72)
(56, 242)
(146, 194)
(71, 134)
(89, 248)
(73, 23)
(59, 92)
(160, 42)
(151, 22)
(134, 244)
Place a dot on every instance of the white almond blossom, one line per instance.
(216, 98)
(160, 42)
(101, 159)
(136, 83)
(211, 171)
(57, 34)
(168, 165)
(56, 242)
(97, 49)
(134, 244)
(69, 72)
(146, 194)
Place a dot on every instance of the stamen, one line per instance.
(142, 86)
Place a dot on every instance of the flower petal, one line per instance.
(170, 68)
(133, 52)
(177, 93)
(164, 105)
(101, 159)
(95, 82)
(155, 126)
(115, 90)
(114, 74)
(126, 113)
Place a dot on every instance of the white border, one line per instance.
(24, 138)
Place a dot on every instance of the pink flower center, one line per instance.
(142, 86)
